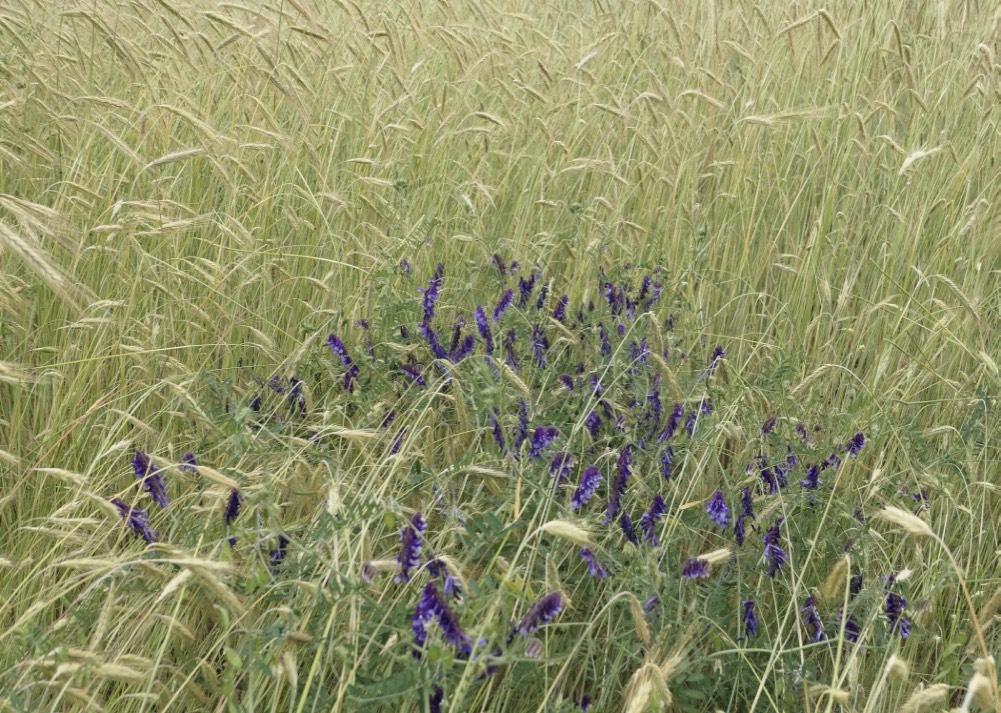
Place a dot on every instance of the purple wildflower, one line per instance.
(628, 530)
(522, 433)
(791, 460)
(189, 464)
(648, 522)
(509, 355)
(560, 313)
(594, 567)
(484, 328)
(590, 479)
(499, 262)
(672, 424)
(543, 293)
(540, 345)
(233, 505)
(498, 432)
(695, 568)
(439, 570)
(432, 291)
(277, 555)
(137, 520)
(718, 355)
(585, 702)
(651, 603)
(542, 612)
(855, 445)
(667, 463)
(542, 438)
(811, 618)
(593, 423)
(775, 556)
(341, 352)
(750, 619)
(397, 443)
(503, 304)
(717, 510)
(606, 345)
(769, 480)
(619, 485)
(423, 614)
(410, 546)
(451, 630)
(746, 503)
(812, 479)
(525, 287)
(895, 605)
(561, 466)
(432, 339)
(151, 478)
(769, 425)
(739, 531)
(851, 627)
(463, 350)
(566, 381)
(435, 699)
(832, 461)
(413, 374)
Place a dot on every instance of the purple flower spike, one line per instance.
(509, 355)
(432, 292)
(811, 618)
(628, 530)
(189, 464)
(746, 503)
(561, 466)
(341, 352)
(233, 505)
(672, 424)
(567, 382)
(498, 432)
(856, 444)
(593, 423)
(775, 556)
(606, 345)
(410, 546)
(503, 304)
(739, 530)
(522, 433)
(895, 605)
(812, 479)
(484, 328)
(464, 349)
(413, 374)
(151, 478)
(769, 425)
(542, 439)
(619, 485)
(667, 463)
(718, 512)
(432, 339)
(695, 568)
(718, 355)
(590, 479)
(594, 567)
(137, 520)
(540, 345)
(750, 619)
(560, 313)
(852, 629)
(543, 293)
(648, 523)
(525, 287)
(542, 612)
(435, 699)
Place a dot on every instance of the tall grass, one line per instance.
(194, 194)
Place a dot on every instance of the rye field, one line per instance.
(497, 355)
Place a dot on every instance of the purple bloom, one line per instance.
(432, 339)
(594, 567)
(394, 447)
(543, 293)
(695, 568)
(435, 699)
(560, 313)
(811, 618)
(439, 570)
(499, 262)
(423, 614)
(739, 530)
(137, 520)
(561, 466)
(855, 445)
(410, 546)
(639, 352)
(590, 479)
(567, 382)
(895, 605)
(542, 612)
(593, 423)
(832, 461)
(540, 345)
(718, 355)
(432, 291)
(775, 556)
(672, 423)
(769, 426)
(151, 478)
(542, 439)
(626, 523)
(233, 505)
(619, 485)
(667, 463)
(498, 432)
(277, 555)
(648, 522)
(585, 702)
(464, 349)
(522, 433)
(413, 374)
(791, 460)
(717, 510)
(525, 287)
(769, 480)
(852, 629)
(509, 355)
(503, 304)
(189, 464)
(651, 603)
(746, 503)
(750, 619)
(606, 345)
(341, 352)
(484, 328)
(812, 480)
